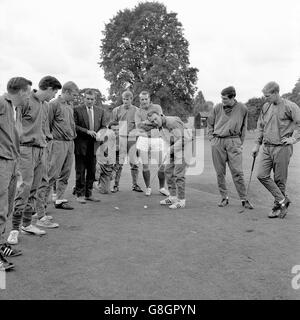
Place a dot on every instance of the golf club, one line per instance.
(248, 185)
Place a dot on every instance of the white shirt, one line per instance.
(92, 109)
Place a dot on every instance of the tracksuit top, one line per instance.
(121, 113)
(9, 138)
(61, 120)
(276, 122)
(226, 122)
(35, 123)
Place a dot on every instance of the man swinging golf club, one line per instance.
(226, 131)
(175, 167)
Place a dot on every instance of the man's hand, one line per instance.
(255, 150)
(92, 133)
(290, 140)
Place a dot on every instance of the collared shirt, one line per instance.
(279, 121)
(61, 120)
(141, 118)
(127, 116)
(92, 109)
(35, 123)
(9, 138)
(227, 121)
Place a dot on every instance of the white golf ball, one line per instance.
(145, 207)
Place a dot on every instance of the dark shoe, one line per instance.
(284, 208)
(275, 211)
(115, 189)
(91, 199)
(247, 204)
(4, 264)
(136, 188)
(7, 251)
(224, 202)
(64, 206)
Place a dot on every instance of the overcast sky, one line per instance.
(240, 43)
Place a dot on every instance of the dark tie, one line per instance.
(90, 119)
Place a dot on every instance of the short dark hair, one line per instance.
(90, 92)
(229, 92)
(152, 112)
(17, 84)
(144, 93)
(49, 82)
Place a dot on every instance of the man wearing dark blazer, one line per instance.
(88, 119)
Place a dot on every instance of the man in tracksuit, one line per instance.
(226, 128)
(61, 153)
(176, 135)
(278, 129)
(18, 90)
(123, 118)
(33, 141)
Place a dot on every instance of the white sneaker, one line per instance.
(148, 192)
(164, 192)
(35, 216)
(13, 237)
(31, 229)
(168, 201)
(180, 204)
(46, 223)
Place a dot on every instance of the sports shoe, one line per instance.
(63, 205)
(284, 207)
(224, 202)
(180, 204)
(81, 200)
(136, 188)
(114, 189)
(91, 198)
(35, 216)
(148, 192)
(31, 229)
(168, 201)
(247, 204)
(164, 192)
(45, 223)
(275, 211)
(7, 251)
(13, 237)
(4, 264)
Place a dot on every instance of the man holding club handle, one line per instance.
(278, 129)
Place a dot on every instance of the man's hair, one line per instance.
(70, 86)
(49, 82)
(229, 92)
(127, 94)
(271, 87)
(152, 112)
(17, 84)
(90, 92)
(145, 93)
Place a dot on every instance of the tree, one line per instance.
(144, 48)
(295, 94)
(254, 106)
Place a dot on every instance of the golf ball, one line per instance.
(145, 207)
